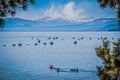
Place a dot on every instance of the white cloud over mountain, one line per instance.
(67, 11)
(73, 11)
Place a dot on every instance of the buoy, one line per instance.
(38, 41)
(75, 42)
(51, 43)
(13, 45)
(112, 38)
(90, 38)
(49, 38)
(82, 38)
(20, 44)
(36, 44)
(98, 38)
(4, 45)
(45, 43)
(73, 38)
(54, 38)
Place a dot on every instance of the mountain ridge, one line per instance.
(48, 24)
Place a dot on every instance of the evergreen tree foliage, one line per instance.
(111, 61)
(113, 4)
(8, 7)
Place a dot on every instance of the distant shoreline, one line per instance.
(58, 33)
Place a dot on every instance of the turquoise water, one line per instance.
(31, 62)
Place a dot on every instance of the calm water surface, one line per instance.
(31, 60)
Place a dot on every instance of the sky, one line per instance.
(66, 9)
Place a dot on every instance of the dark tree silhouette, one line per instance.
(8, 7)
(110, 70)
(113, 4)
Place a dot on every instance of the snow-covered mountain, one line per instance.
(59, 24)
(67, 20)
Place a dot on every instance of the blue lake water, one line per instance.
(31, 60)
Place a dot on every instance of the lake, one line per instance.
(28, 55)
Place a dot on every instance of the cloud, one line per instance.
(73, 10)
(68, 11)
